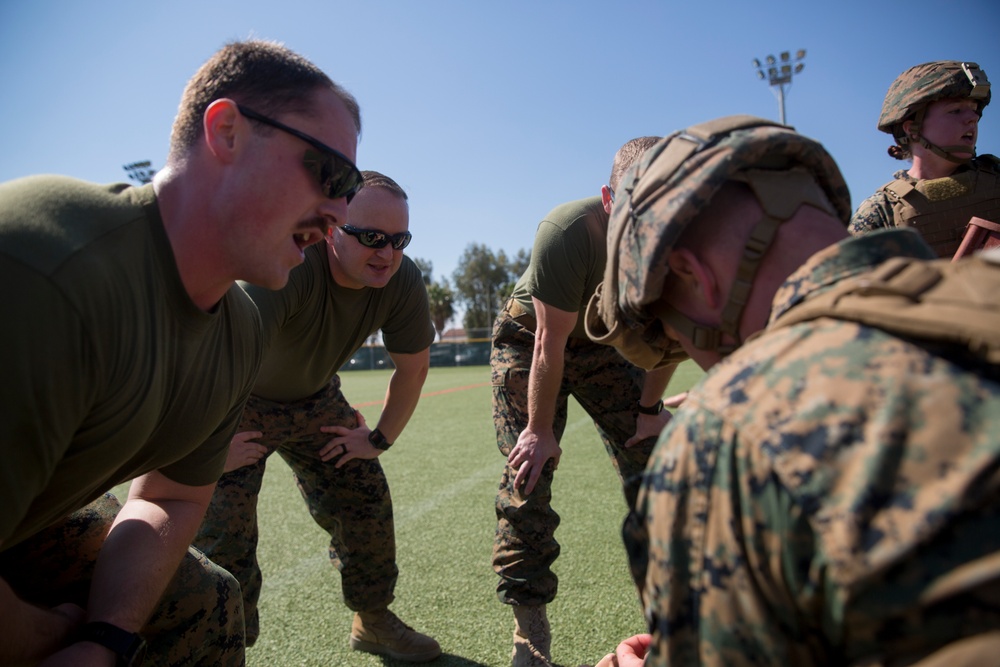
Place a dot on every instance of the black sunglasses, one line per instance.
(374, 238)
(337, 174)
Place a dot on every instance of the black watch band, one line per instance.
(654, 409)
(130, 647)
(378, 440)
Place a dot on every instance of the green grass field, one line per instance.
(443, 473)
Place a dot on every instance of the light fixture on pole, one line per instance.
(778, 73)
(140, 172)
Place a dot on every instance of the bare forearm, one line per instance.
(401, 398)
(138, 559)
(544, 382)
(655, 384)
(141, 553)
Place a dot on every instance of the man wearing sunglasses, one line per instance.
(129, 351)
(356, 283)
(541, 355)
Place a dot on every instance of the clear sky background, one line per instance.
(488, 113)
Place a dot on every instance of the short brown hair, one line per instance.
(374, 179)
(266, 76)
(626, 157)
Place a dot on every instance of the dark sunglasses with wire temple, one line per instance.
(338, 176)
(375, 238)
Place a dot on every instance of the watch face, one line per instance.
(378, 440)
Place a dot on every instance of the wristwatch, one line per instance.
(654, 409)
(378, 440)
(129, 646)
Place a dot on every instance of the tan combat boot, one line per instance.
(382, 632)
(532, 637)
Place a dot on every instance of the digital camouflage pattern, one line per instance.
(351, 503)
(675, 179)
(922, 84)
(199, 620)
(827, 495)
(876, 211)
(608, 388)
(939, 209)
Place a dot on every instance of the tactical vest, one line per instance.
(940, 208)
(950, 308)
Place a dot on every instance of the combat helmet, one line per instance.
(913, 90)
(664, 192)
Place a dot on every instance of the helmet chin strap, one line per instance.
(780, 194)
(946, 152)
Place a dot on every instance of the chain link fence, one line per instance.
(473, 352)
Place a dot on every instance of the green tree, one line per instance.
(426, 267)
(440, 296)
(442, 304)
(515, 268)
(483, 281)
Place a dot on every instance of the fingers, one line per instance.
(534, 472)
(343, 456)
(335, 449)
(675, 400)
(610, 660)
(526, 477)
(522, 472)
(243, 452)
(513, 459)
(529, 459)
(632, 652)
(344, 430)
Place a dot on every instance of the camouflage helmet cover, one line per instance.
(922, 84)
(675, 179)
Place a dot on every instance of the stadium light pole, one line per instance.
(778, 73)
(140, 172)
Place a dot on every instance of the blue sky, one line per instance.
(488, 113)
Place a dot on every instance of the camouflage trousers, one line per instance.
(608, 389)
(352, 503)
(199, 620)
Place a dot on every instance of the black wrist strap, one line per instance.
(378, 440)
(130, 647)
(654, 409)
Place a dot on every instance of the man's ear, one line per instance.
(606, 198)
(221, 125)
(695, 276)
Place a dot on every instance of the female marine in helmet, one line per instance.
(933, 111)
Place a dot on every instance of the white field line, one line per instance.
(318, 564)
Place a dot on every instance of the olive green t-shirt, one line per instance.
(110, 370)
(567, 259)
(312, 326)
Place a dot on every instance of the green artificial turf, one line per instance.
(443, 473)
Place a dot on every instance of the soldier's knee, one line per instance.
(223, 597)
